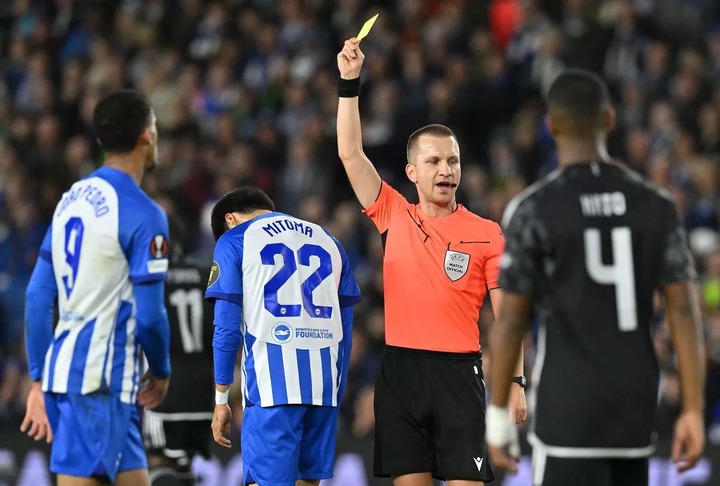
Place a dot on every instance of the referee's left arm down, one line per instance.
(40, 297)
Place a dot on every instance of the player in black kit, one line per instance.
(588, 246)
(180, 427)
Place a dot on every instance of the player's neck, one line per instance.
(244, 218)
(127, 163)
(433, 210)
(581, 150)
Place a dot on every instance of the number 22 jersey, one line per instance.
(294, 284)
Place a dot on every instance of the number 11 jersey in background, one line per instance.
(191, 392)
(590, 244)
(294, 284)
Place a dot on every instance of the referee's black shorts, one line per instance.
(430, 415)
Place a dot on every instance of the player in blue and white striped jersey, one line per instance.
(105, 259)
(284, 292)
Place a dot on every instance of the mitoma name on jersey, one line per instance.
(88, 193)
(279, 226)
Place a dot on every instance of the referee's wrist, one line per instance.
(348, 88)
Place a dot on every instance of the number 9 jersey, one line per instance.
(294, 284)
(106, 235)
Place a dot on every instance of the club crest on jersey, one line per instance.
(456, 264)
(158, 246)
(214, 274)
(282, 333)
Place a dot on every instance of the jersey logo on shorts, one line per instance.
(214, 274)
(158, 246)
(478, 462)
(456, 264)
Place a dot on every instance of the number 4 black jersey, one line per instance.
(191, 333)
(590, 244)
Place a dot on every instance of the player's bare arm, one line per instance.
(512, 318)
(684, 322)
(517, 402)
(364, 179)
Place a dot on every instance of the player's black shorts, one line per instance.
(430, 415)
(176, 440)
(556, 471)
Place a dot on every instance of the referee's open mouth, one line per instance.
(446, 185)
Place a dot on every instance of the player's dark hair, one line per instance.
(119, 119)
(434, 130)
(243, 200)
(580, 96)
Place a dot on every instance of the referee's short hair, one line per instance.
(434, 130)
(119, 119)
(243, 200)
(580, 97)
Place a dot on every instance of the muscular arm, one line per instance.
(364, 179)
(512, 319)
(685, 325)
(496, 296)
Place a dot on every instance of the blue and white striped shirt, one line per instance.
(295, 289)
(106, 235)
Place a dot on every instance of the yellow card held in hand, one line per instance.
(366, 27)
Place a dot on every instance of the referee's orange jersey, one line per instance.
(436, 273)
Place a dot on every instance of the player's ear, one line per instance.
(229, 220)
(410, 172)
(233, 219)
(551, 125)
(609, 118)
(145, 137)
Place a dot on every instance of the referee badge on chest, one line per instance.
(456, 264)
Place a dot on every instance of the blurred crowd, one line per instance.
(244, 92)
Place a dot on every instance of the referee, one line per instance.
(440, 262)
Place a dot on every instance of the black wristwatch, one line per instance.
(520, 380)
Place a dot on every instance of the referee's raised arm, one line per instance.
(363, 177)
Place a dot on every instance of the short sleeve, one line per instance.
(389, 201)
(46, 245)
(493, 256)
(520, 262)
(676, 263)
(148, 246)
(225, 282)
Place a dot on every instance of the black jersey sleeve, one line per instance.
(520, 264)
(677, 265)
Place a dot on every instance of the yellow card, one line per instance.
(366, 27)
